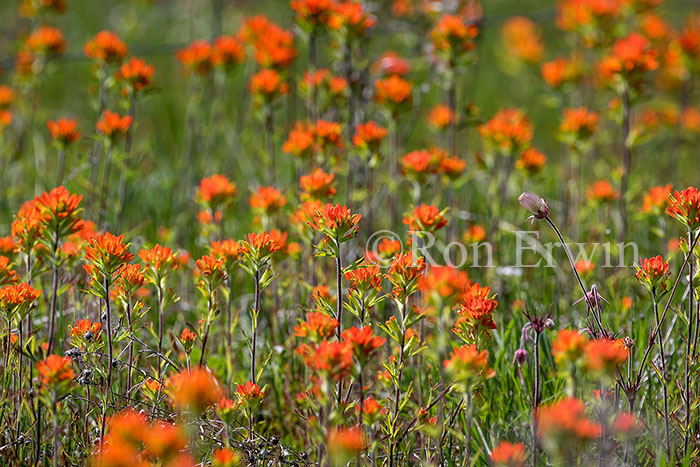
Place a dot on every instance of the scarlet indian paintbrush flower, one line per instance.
(106, 47)
(85, 330)
(508, 132)
(564, 427)
(317, 185)
(369, 136)
(452, 36)
(216, 191)
(605, 355)
(509, 455)
(445, 281)
(195, 390)
(345, 444)
(187, 339)
(313, 15)
(393, 91)
(113, 126)
(317, 327)
(468, 365)
(55, 371)
(107, 252)
(630, 58)
(578, 125)
(301, 141)
(562, 71)
(653, 274)
(267, 85)
(522, 39)
(226, 457)
(198, 57)
(475, 310)
(531, 161)
(441, 116)
(568, 346)
(602, 191)
(136, 73)
(64, 131)
(350, 19)
(685, 207)
(268, 200)
(228, 51)
(330, 359)
(336, 221)
(46, 40)
(362, 341)
(15, 299)
(425, 218)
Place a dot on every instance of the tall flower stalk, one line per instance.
(257, 252)
(105, 255)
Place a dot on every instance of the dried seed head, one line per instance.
(535, 204)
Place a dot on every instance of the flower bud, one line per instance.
(535, 204)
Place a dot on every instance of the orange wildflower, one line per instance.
(467, 363)
(509, 131)
(267, 84)
(531, 161)
(7, 96)
(509, 455)
(107, 252)
(562, 70)
(313, 14)
(83, 326)
(522, 39)
(301, 140)
(196, 389)
(369, 136)
(351, 18)
(228, 50)
(653, 273)
(685, 207)
(268, 199)
(602, 191)
(578, 124)
(198, 57)
(64, 131)
(317, 185)
(656, 199)
(630, 58)
(137, 73)
(453, 35)
(391, 64)
(393, 90)
(55, 370)
(106, 47)
(564, 424)
(114, 126)
(605, 355)
(425, 218)
(47, 40)
(345, 444)
(568, 346)
(317, 326)
(446, 281)
(216, 190)
(362, 341)
(441, 116)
